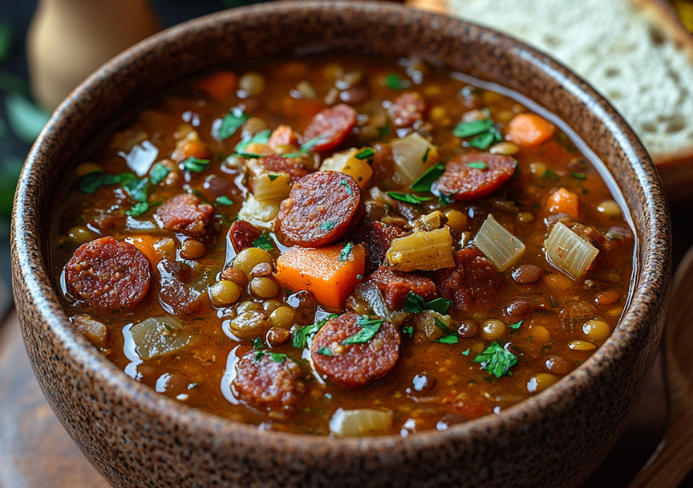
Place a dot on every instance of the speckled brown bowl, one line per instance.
(138, 438)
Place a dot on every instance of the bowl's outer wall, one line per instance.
(138, 438)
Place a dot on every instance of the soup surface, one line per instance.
(348, 246)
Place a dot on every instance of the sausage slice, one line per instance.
(395, 286)
(108, 274)
(320, 208)
(243, 234)
(354, 365)
(467, 182)
(269, 383)
(407, 109)
(331, 127)
(185, 213)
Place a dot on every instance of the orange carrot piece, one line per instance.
(530, 130)
(283, 136)
(563, 201)
(220, 85)
(146, 244)
(321, 272)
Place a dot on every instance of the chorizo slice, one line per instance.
(242, 235)
(475, 175)
(279, 164)
(271, 383)
(108, 274)
(283, 136)
(472, 283)
(377, 237)
(331, 127)
(395, 286)
(174, 296)
(185, 213)
(320, 208)
(407, 109)
(357, 364)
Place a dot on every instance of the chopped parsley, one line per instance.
(478, 165)
(366, 153)
(516, 325)
(325, 352)
(91, 182)
(424, 182)
(158, 173)
(329, 225)
(231, 122)
(496, 360)
(264, 242)
(408, 197)
(383, 131)
(257, 343)
(394, 82)
(408, 330)
(414, 303)
(369, 327)
(272, 176)
(424, 159)
(449, 339)
(346, 250)
(310, 144)
(248, 155)
(465, 353)
(259, 355)
(550, 175)
(441, 325)
(196, 165)
(347, 186)
(301, 334)
(446, 199)
(485, 131)
(293, 155)
(277, 357)
(137, 188)
(579, 176)
(261, 137)
(137, 209)
(224, 200)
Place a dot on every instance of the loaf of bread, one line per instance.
(635, 52)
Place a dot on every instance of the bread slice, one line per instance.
(635, 52)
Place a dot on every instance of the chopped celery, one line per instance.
(569, 252)
(423, 251)
(497, 244)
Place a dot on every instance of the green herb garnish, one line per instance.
(424, 182)
(425, 156)
(196, 165)
(325, 352)
(158, 173)
(579, 176)
(91, 182)
(408, 330)
(137, 188)
(383, 131)
(310, 144)
(366, 153)
(302, 333)
(448, 339)
(395, 82)
(408, 197)
(347, 186)
(224, 200)
(473, 128)
(414, 303)
(369, 327)
(441, 325)
(446, 199)
(329, 225)
(277, 357)
(346, 250)
(137, 209)
(264, 242)
(231, 122)
(478, 165)
(516, 325)
(257, 343)
(550, 175)
(465, 353)
(496, 360)
(272, 176)
(261, 137)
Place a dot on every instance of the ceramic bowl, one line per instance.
(138, 438)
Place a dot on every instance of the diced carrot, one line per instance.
(191, 147)
(283, 136)
(220, 85)
(321, 272)
(530, 130)
(563, 201)
(145, 244)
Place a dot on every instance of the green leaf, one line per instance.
(117, 179)
(550, 175)
(224, 200)
(91, 182)
(496, 360)
(257, 343)
(408, 330)
(259, 355)
(483, 141)
(261, 137)
(329, 225)
(439, 305)
(408, 197)
(301, 334)
(365, 153)
(424, 182)
(137, 189)
(347, 186)
(465, 353)
(369, 327)
(137, 209)
(384, 131)
(473, 128)
(277, 357)
(425, 156)
(579, 176)
(414, 303)
(446, 199)
(293, 155)
(449, 339)
(6, 34)
(441, 325)
(310, 144)
(346, 250)
(516, 325)
(264, 242)
(478, 165)
(272, 176)
(196, 165)
(25, 118)
(231, 122)
(395, 82)
(325, 352)
(158, 173)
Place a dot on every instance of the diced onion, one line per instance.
(568, 251)
(497, 244)
(409, 153)
(271, 186)
(361, 422)
(260, 214)
(157, 336)
(422, 251)
(369, 293)
(346, 162)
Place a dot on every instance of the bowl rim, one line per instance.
(643, 310)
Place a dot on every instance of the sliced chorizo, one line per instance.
(242, 235)
(354, 365)
(377, 237)
(271, 383)
(279, 164)
(174, 296)
(331, 127)
(320, 208)
(472, 283)
(466, 180)
(108, 274)
(396, 286)
(185, 213)
(283, 136)
(407, 109)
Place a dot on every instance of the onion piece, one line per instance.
(346, 162)
(157, 336)
(260, 214)
(360, 422)
(271, 186)
(568, 251)
(422, 251)
(497, 244)
(413, 155)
